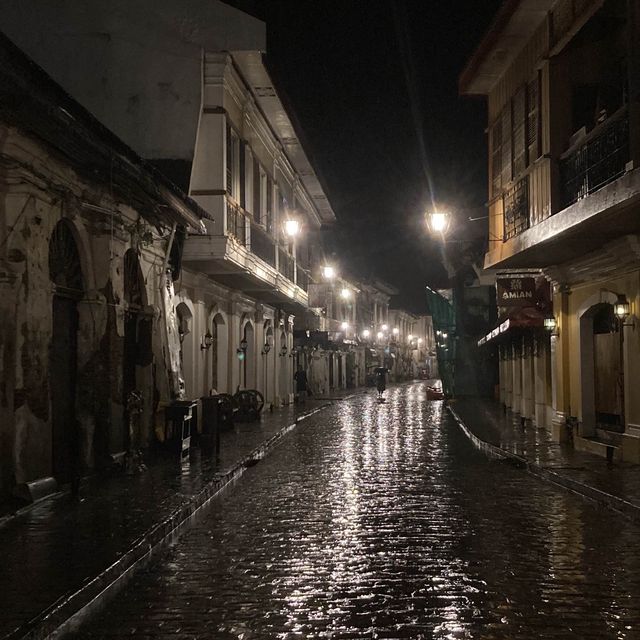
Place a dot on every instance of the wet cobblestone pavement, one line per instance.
(382, 521)
(60, 544)
(489, 422)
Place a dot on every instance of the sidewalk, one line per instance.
(60, 554)
(615, 486)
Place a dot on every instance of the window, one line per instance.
(519, 132)
(496, 157)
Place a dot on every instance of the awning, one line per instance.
(524, 318)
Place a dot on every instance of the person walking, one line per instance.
(381, 381)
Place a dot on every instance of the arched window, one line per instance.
(65, 270)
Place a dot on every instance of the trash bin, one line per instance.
(177, 420)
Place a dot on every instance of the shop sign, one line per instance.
(516, 292)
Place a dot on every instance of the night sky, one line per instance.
(374, 88)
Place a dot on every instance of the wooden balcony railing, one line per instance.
(516, 208)
(599, 159)
(262, 244)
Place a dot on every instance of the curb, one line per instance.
(602, 498)
(67, 613)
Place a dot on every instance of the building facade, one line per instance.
(562, 82)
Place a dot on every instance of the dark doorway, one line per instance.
(64, 359)
(331, 371)
(65, 274)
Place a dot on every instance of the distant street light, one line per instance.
(345, 294)
(396, 331)
(328, 272)
(385, 327)
(409, 338)
(345, 326)
(380, 335)
(366, 333)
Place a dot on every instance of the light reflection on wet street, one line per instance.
(381, 521)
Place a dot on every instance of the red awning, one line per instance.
(523, 318)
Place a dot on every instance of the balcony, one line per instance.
(244, 258)
(596, 160)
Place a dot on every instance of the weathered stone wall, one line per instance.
(36, 192)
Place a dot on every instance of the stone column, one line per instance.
(540, 355)
(526, 410)
(560, 374)
(508, 375)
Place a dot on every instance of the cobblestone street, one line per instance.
(382, 521)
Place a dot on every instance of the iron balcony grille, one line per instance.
(236, 223)
(516, 208)
(286, 265)
(262, 245)
(600, 160)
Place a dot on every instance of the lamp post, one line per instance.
(328, 272)
(265, 352)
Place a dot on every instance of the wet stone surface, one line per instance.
(382, 521)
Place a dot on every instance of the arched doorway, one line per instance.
(248, 378)
(137, 348)
(219, 354)
(269, 358)
(65, 273)
(185, 335)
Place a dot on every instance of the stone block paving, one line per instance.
(487, 420)
(60, 544)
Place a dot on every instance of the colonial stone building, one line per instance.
(562, 80)
(89, 252)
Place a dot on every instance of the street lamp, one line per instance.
(283, 350)
(344, 326)
(419, 341)
(292, 227)
(438, 222)
(345, 294)
(396, 331)
(385, 327)
(366, 333)
(266, 348)
(409, 338)
(621, 308)
(380, 335)
(207, 341)
(328, 272)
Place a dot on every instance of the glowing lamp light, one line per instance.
(366, 333)
(445, 335)
(438, 222)
(621, 308)
(344, 326)
(328, 272)
(384, 327)
(345, 294)
(380, 335)
(410, 337)
(550, 323)
(419, 340)
(292, 227)
(396, 331)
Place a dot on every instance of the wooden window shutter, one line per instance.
(496, 157)
(519, 132)
(242, 177)
(229, 161)
(507, 157)
(256, 190)
(533, 118)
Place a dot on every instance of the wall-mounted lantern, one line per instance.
(621, 308)
(266, 348)
(207, 341)
(283, 350)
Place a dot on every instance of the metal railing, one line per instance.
(237, 222)
(600, 159)
(286, 264)
(302, 278)
(262, 244)
(516, 208)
